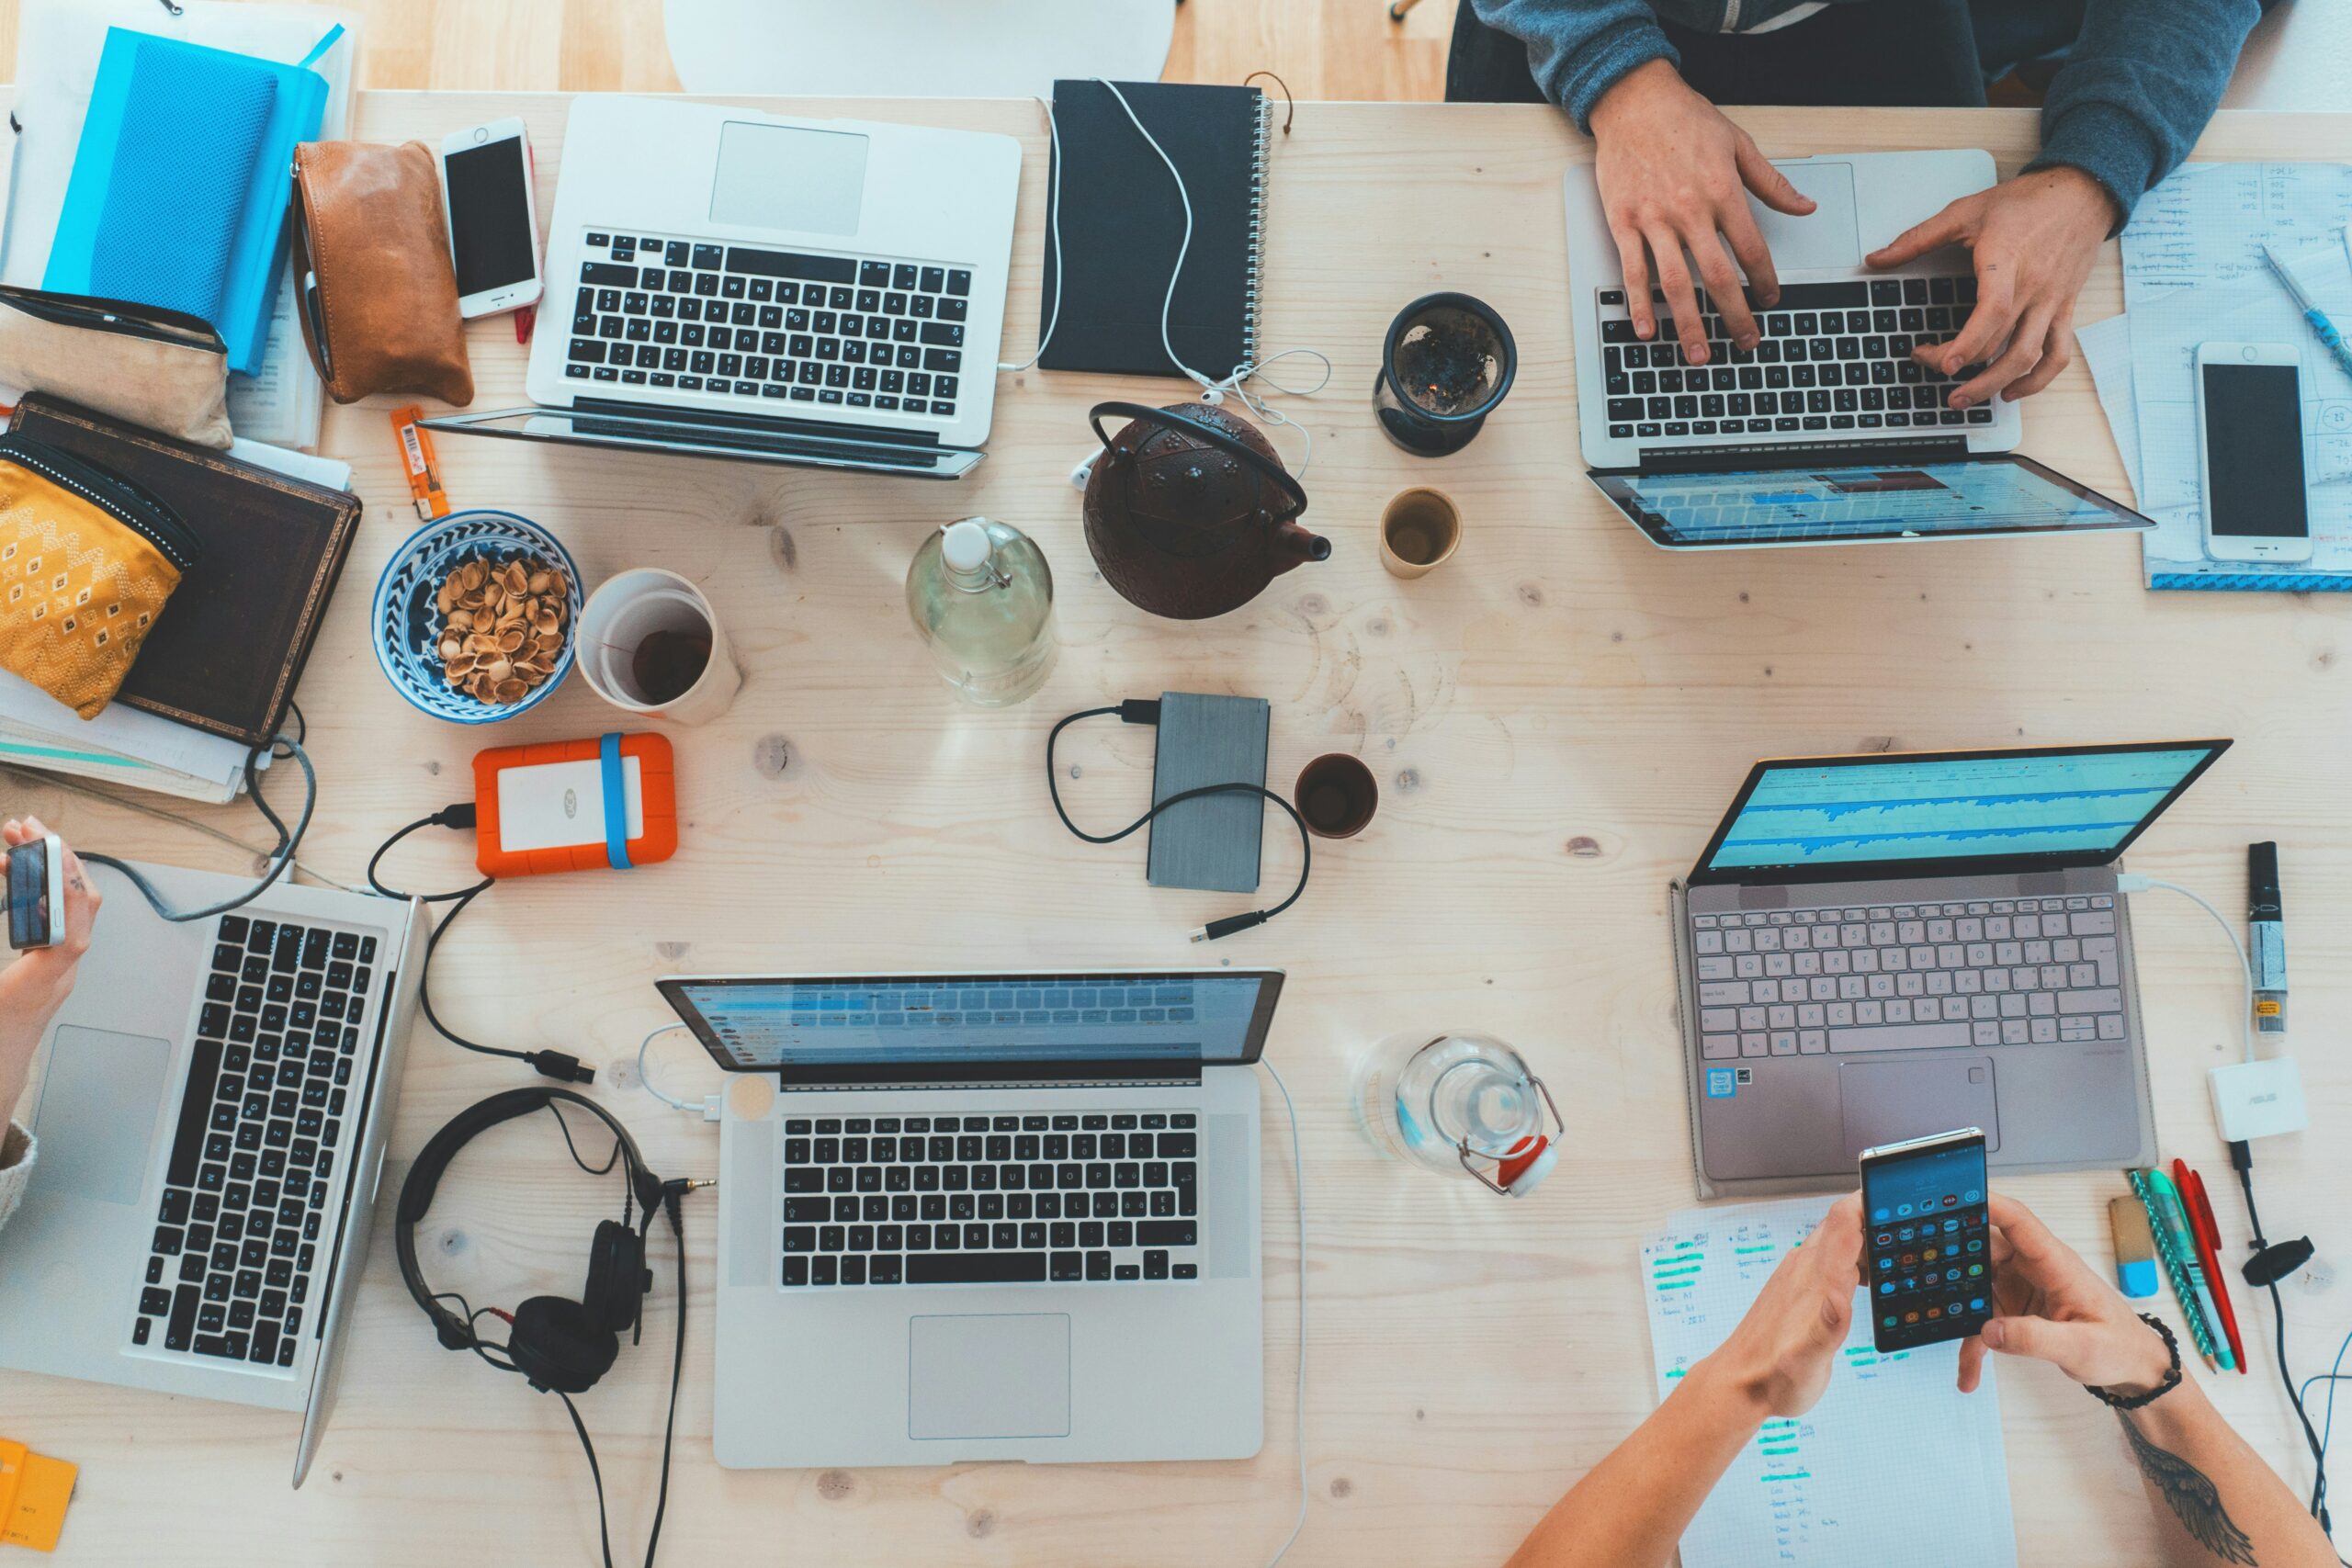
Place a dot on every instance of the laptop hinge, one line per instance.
(1804, 455)
(726, 419)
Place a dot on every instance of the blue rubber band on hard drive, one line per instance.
(608, 747)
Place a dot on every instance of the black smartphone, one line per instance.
(1926, 1239)
(35, 871)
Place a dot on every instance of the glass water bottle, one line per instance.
(983, 598)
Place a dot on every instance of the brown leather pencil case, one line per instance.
(372, 257)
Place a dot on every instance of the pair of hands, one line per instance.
(2050, 1305)
(1674, 175)
(37, 983)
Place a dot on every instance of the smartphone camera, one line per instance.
(36, 871)
(1926, 1239)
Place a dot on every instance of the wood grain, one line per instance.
(1556, 718)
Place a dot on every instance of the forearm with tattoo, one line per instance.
(2191, 1496)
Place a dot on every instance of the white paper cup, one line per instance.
(627, 609)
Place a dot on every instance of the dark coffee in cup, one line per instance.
(1337, 795)
(667, 663)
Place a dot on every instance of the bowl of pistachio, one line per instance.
(475, 616)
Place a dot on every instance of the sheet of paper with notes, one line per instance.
(1836, 1488)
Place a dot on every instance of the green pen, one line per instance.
(2199, 1299)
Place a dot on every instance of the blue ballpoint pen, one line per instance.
(2325, 328)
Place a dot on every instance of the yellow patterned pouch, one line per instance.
(87, 561)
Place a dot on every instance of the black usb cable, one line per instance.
(1142, 710)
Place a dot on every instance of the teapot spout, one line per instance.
(1294, 545)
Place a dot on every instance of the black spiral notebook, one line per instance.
(1122, 221)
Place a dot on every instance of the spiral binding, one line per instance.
(1249, 287)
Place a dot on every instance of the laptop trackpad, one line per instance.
(986, 1376)
(99, 1100)
(1825, 238)
(1885, 1102)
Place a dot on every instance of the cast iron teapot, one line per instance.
(1190, 511)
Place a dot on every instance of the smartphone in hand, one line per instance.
(1928, 1255)
(35, 878)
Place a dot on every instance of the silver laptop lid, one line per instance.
(897, 1030)
(1843, 497)
(1882, 816)
(694, 433)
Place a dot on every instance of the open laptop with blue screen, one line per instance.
(987, 1216)
(1873, 948)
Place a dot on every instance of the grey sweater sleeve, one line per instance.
(2137, 86)
(1578, 49)
(16, 1148)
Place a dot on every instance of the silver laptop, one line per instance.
(1826, 431)
(730, 284)
(998, 1216)
(1877, 947)
(213, 1117)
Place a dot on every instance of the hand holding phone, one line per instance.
(2250, 452)
(2052, 1306)
(1926, 1239)
(36, 883)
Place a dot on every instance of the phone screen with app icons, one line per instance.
(1926, 1240)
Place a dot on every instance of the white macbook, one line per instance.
(987, 1216)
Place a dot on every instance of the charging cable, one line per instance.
(2269, 1264)
(280, 857)
(1298, 1404)
(1212, 390)
(707, 1107)
(1143, 710)
(558, 1064)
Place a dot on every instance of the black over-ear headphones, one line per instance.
(559, 1345)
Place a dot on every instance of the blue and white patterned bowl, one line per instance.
(406, 617)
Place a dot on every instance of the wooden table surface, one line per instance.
(1557, 720)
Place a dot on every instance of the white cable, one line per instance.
(1298, 1186)
(2128, 882)
(1054, 227)
(647, 1078)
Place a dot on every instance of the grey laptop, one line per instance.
(213, 1117)
(1877, 947)
(998, 1216)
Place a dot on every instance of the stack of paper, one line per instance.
(2194, 272)
(123, 743)
(1840, 1485)
(58, 45)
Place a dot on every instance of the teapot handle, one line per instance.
(1217, 438)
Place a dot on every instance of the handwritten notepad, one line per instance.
(1839, 1486)
(2193, 272)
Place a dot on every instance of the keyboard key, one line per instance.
(973, 1268)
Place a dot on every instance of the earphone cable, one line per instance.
(596, 1472)
(281, 855)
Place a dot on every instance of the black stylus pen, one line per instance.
(2266, 925)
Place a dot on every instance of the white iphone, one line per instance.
(494, 226)
(2250, 452)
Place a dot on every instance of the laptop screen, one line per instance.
(918, 1025)
(1865, 816)
(1995, 494)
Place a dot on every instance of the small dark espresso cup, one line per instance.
(1337, 795)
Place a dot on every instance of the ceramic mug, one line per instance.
(1419, 530)
(641, 634)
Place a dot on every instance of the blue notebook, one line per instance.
(180, 184)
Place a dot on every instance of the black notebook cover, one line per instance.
(1122, 221)
(230, 645)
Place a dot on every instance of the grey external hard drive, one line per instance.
(1211, 843)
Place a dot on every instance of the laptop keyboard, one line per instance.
(768, 327)
(260, 1126)
(1025, 1198)
(1833, 356)
(1990, 972)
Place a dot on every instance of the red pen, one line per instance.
(2207, 1236)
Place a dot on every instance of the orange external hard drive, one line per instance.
(575, 806)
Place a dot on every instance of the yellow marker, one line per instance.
(417, 461)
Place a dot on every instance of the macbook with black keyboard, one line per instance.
(729, 284)
(1877, 947)
(1827, 430)
(212, 1112)
(987, 1216)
